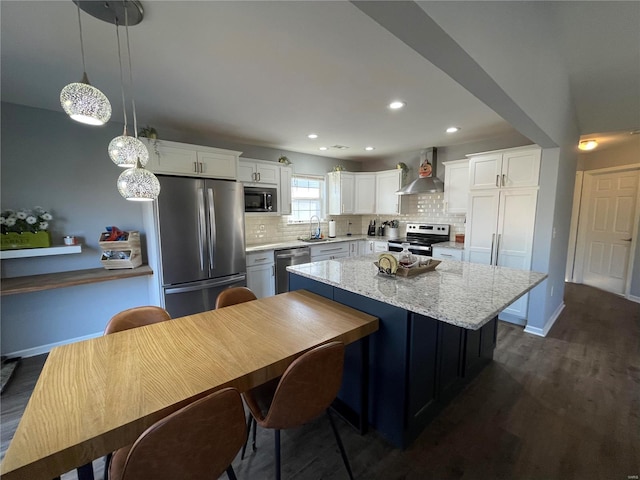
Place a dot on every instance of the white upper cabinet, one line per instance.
(513, 168)
(456, 186)
(191, 160)
(285, 191)
(387, 184)
(258, 171)
(340, 193)
(365, 193)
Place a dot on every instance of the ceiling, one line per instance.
(270, 73)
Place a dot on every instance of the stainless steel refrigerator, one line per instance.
(202, 244)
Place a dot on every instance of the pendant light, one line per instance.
(82, 101)
(138, 184)
(125, 150)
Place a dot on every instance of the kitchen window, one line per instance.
(307, 198)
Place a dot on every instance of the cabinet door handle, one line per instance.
(446, 255)
(201, 167)
(498, 180)
(259, 176)
(273, 270)
(504, 180)
(195, 167)
(498, 247)
(493, 238)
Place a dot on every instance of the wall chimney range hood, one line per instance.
(427, 182)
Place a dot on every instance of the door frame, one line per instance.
(581, 197)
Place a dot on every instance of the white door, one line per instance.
(514, 242)
(608, 226)
(484, 171)
(480, 238)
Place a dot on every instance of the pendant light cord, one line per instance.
(133, 102)
(84, 68)
(124, 104)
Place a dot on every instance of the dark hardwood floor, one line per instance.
(562, 407)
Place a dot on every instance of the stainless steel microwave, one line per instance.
(260, 199)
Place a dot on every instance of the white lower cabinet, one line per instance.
(329, 251)
(447, 253)
(261, 273)
(355, 247)
(368, 247)
(500, 232)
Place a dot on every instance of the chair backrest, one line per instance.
(136, 317)
(198, 441)
(307, 387)
(234, 295)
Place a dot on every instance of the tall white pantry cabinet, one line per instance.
(503, 195)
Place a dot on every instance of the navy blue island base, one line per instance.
(417, 364)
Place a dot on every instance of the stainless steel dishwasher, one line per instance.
(284, 258)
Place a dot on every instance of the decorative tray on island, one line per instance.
(388, 265)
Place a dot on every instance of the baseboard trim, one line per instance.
(31, 352)
(633, 298)
(542, 332)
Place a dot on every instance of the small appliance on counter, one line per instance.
(372, 228)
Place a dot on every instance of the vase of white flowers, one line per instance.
(25, 229)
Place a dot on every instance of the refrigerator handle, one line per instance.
(201, 227)
(498, 248)
(212, 228)
(206, 284)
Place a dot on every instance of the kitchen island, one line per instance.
(437, 331)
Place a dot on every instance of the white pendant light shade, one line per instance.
(85, 103)
(138, 184)
(125, 150)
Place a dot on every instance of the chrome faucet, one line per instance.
(316, 233)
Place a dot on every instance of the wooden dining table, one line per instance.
(98, 395)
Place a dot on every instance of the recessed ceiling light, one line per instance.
(323, 148)
(587, 145)
(396, 104)
(453, 129)
(368, 149)
(312, 135)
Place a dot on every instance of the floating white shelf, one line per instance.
(40, 252)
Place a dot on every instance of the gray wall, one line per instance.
(63, 166)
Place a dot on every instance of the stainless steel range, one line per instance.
(420, 237)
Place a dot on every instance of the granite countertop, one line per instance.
(464, 294)
(299, 243)
(454, 245)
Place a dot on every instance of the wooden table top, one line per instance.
(97, 395)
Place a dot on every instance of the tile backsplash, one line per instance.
(425, 208)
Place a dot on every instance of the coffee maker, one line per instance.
(372, 228)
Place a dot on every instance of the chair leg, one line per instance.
(107, 464)
(231, 474)
(340, 445)
(277, 452)
(249, 423)
(255, 430)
